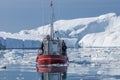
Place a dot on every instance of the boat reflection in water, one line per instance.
(52, 72)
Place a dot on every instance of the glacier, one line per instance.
(100, 31)
(11, 43)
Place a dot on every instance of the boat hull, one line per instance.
(51, 59)
(43, 68)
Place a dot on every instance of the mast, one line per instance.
(51, 19)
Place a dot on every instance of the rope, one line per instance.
(42, 14)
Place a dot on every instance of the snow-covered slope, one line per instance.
(108, 38)
(103, 30)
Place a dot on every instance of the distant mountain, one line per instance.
(101, 31)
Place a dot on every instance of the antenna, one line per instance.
(51, 19)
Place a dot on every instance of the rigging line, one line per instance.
(47, 29)
(42, 16)
(58, 12)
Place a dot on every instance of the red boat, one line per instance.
(53, 49)
(52, 59)
(53, 53)
(44, 68)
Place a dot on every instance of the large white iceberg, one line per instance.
(101, 31)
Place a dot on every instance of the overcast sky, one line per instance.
(16, 15)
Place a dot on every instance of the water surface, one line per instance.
(84, 64)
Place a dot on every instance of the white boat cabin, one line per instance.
(53, 46)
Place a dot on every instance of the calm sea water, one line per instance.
(84, 64)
